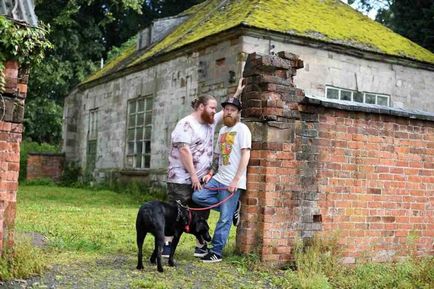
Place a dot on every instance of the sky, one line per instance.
(371, 13)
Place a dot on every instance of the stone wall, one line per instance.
(45, 165)
(363, 173)
(11, 128)
(408, 87)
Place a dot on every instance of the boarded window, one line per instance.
(92, 137)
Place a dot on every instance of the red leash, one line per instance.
(216, 204)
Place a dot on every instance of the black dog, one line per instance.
(159, 219)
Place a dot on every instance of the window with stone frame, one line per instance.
(357, 96)
(139, 129)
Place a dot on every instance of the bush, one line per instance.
(139, 190)
(27, 147)
(39, 182)
(22, 261)
(72, 175)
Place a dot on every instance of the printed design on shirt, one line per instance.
(226, 142)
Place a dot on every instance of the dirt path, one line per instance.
(119, 272)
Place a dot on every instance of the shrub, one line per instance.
(139, 190)
(72, 175)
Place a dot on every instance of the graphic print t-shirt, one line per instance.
(231, 141)
(199, 137)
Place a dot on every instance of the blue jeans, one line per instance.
(207, 197)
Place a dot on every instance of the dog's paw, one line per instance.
(160, 269)
(172, 263)
(139, 267)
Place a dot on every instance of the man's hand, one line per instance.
(233, 186)
(195, 183)
(206, 178)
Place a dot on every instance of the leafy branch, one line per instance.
(23, 43)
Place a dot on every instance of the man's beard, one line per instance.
(229, 121)
(207, 117)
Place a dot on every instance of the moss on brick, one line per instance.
(325, 20)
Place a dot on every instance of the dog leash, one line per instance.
(187, 226)
(216, 204)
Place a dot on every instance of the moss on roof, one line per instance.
(324, 20)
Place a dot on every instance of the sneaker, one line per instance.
(211, 257)
(200, 252)
(166, 250)
(236, 217)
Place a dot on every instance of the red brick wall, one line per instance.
(376, 182)
(10, 139)
(367, 177)
(45, 165)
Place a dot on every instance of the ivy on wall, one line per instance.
(22, 43)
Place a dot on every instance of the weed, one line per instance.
(39, 182)
(21, 261)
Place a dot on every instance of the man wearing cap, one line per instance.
(232, 154)
(190, 156)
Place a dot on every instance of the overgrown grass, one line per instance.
(23, 261)
(82, 225)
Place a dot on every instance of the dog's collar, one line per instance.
(180, 216)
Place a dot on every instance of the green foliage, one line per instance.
(412, 19)
(22, 43)
(72, 175)
(43, 121)
(38, 182)
(28, 146)
(318, 266)
(23, 261)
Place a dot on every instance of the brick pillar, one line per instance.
(280, 202)
(11, 118)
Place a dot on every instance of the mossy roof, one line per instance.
(325, 20)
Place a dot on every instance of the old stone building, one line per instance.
(352, 74)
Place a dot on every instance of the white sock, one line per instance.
(199, 245)
(168, 239)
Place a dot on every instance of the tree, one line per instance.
(413, 19)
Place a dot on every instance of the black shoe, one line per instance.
(166, 250)
(200, 252)
(211, 257)
(236, 217)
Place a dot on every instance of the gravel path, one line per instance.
(119, 272)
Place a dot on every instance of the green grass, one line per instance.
(86, 228)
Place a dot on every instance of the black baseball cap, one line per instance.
(234, 101)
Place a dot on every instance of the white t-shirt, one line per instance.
(231, 141)
(200, 138)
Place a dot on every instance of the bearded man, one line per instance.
(233, 153)
(191, 156)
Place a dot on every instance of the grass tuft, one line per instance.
(23, 261)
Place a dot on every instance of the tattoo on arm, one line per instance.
(215, 163)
